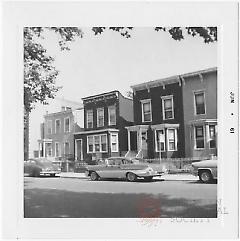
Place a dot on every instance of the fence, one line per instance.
(175, 164)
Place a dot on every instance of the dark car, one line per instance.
(38, 167)
(122, 167)
(205, 170)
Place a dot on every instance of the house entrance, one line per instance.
(78, 150)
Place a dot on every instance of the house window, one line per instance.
(90, 144)
(67, 124)
(114, 142)
(172, 139)
(167, 106)
(57, 126)
(112, 115)
(103, 143)
(100, 117)
(57, 149)
(212, 136)
(49, 127)
(97, 143)
(66, 148)
(146, 110)
(199, 103)
(160, 140)
(199, 137)
(49, 149)
(89, 118)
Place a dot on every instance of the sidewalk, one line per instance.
(166, 177)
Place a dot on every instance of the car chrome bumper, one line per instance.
(149, 174)
(194, 173)
(49, 172)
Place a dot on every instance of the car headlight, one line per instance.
(149, 169)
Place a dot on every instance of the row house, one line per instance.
(57, 132)
(105, 117)
(175, 116)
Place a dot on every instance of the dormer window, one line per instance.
(146, 110)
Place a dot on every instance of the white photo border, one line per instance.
(17, 15)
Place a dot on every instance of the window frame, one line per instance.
(88, 144)
(87, 118)
(117, 142)
(64, 147)
(156, 142)
(195, 104)
(105, 135)
(56, 126)
(65, 124)
(163, 98)
(100, 143)
(100, 109)
(49, 149)
(210, 137)
(109, 108)
(59, 149)
(175, 139)
(145, 101)
(48, 121)
(195, 138)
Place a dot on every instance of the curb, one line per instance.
(161, 178)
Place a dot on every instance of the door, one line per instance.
(144, 143)
(78, 150)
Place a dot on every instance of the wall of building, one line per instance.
(62, 136)
(209, 85)
(100, 104)
(126, 108)
(155, 95)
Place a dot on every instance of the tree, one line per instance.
(39, 71)
(208, 34)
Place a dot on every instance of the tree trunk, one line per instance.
(26, 134)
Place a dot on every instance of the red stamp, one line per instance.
(149, 211)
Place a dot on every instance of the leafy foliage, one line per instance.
(209, 34)
(39, 71)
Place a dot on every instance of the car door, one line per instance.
(111, 170)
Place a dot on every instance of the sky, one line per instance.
(106, 62)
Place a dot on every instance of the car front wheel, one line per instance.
(131, 177)
(205, 176)
(94, 176)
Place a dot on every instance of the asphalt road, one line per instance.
(52, 197)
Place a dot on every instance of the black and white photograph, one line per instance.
(132, 128)
(129, 127)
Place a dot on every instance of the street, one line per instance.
(53, 197)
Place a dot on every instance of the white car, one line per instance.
(206, 170)
(122, 167)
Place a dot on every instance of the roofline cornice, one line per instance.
(170, 80)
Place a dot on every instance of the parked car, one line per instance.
(122, 167)
(206, 170)
(38, 167)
